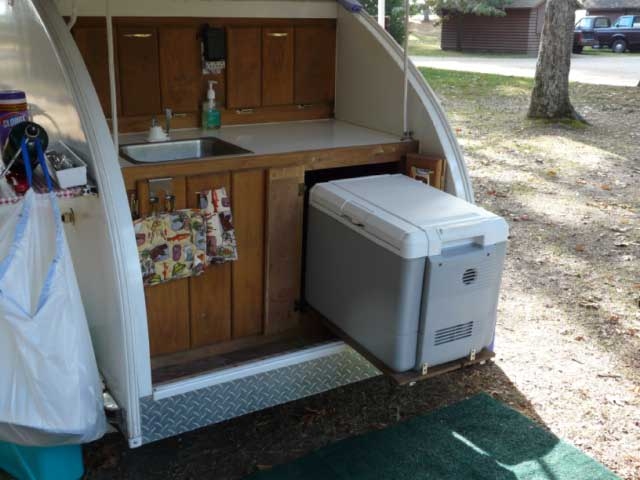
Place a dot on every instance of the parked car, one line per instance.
(622, 36)
(584, 33)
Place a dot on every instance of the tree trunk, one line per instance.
(550, 96)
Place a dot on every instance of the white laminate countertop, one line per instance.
(274, 138)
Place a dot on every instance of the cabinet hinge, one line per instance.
(302, 188)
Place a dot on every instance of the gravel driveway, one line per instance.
(621, 70)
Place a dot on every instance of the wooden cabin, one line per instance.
(519, 31)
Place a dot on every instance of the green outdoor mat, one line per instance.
(479, 438)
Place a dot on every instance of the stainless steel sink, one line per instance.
(179, 150)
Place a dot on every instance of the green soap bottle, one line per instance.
(210, 114)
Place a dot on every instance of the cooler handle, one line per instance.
(475, 232)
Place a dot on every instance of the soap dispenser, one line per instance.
(210, 114)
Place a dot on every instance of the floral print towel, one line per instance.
(181, 244)
(221, 238)
(171, 245)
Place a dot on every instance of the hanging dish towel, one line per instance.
(171, 245)
(221, 238)
(50, 390)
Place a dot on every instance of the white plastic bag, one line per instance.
(50, 390)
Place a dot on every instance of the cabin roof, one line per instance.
(610, 4)
(524, 3)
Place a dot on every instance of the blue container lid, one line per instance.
(12, 95)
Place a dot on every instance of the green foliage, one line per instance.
(446, 8)
(394, 9)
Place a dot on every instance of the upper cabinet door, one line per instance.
(244, 67)
(139, 71)
(277, 66)
(92, 43)
(315, 53)
(180, 68)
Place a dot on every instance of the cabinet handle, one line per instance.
(244, 111)
(138, 35)
(277, 34)
(304, 106)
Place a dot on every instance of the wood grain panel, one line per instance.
(244, 67)
(180, 69)
(277, 66)
(168, 316)
(311, 160)
(168, 303)
(92, 43)
(210, 294)
(247, 273)
(315, 57)
(139, 70)
(284, 247)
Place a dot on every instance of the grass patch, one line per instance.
(427, 44)
(477, 84)
(597, 52)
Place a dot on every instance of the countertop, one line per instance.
(285, 137)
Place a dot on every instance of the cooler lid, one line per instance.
(411, 218)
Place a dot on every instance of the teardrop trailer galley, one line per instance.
(440, 303)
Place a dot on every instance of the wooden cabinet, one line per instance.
(210, 293)
(139, 70)
(277, 66)
(227, 300)
(92, 43)
(180, 68)
(247, 273)
(244, 64)
(167, 303)
(272, 66)
(285, 204)
(314, 63)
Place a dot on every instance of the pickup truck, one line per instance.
(622, 36)
(584, 33)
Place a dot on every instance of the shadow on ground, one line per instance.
(233, 449)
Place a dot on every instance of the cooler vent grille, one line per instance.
(451, 334)
(469, 276)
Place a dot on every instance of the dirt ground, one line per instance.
(568, 337)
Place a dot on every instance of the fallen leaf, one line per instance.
(579, 338)
(580, 247)
(614, 318)
(605, 187)
(552, 173)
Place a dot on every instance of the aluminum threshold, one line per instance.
(248, 369)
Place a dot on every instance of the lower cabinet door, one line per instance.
(247, 273)
(167, 303)
(285, 203)
(168, 316)
(210, 293)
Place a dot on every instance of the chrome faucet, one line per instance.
(168, 113)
